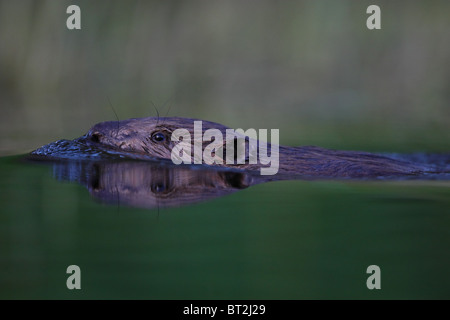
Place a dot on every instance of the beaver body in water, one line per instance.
(150, 138)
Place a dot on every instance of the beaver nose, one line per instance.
(96, 137)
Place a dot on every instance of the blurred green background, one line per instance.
(309, 68)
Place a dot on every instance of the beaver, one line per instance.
(150, 138)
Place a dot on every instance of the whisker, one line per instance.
(166, 103)
(110, 104)
(168, 109)
(157, 112)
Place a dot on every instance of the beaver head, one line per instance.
(153, 136)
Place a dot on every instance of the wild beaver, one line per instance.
(150, 138)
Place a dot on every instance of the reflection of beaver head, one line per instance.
(148, 185)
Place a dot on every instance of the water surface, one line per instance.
(278, 240)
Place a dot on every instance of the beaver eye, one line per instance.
(158, 137)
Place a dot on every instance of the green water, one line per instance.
(279, 240)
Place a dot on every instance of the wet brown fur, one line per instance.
(135, 136)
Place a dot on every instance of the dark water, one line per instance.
(278, 240)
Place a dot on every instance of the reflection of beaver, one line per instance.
(150, 184)
(142, 184)
(151, 137)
